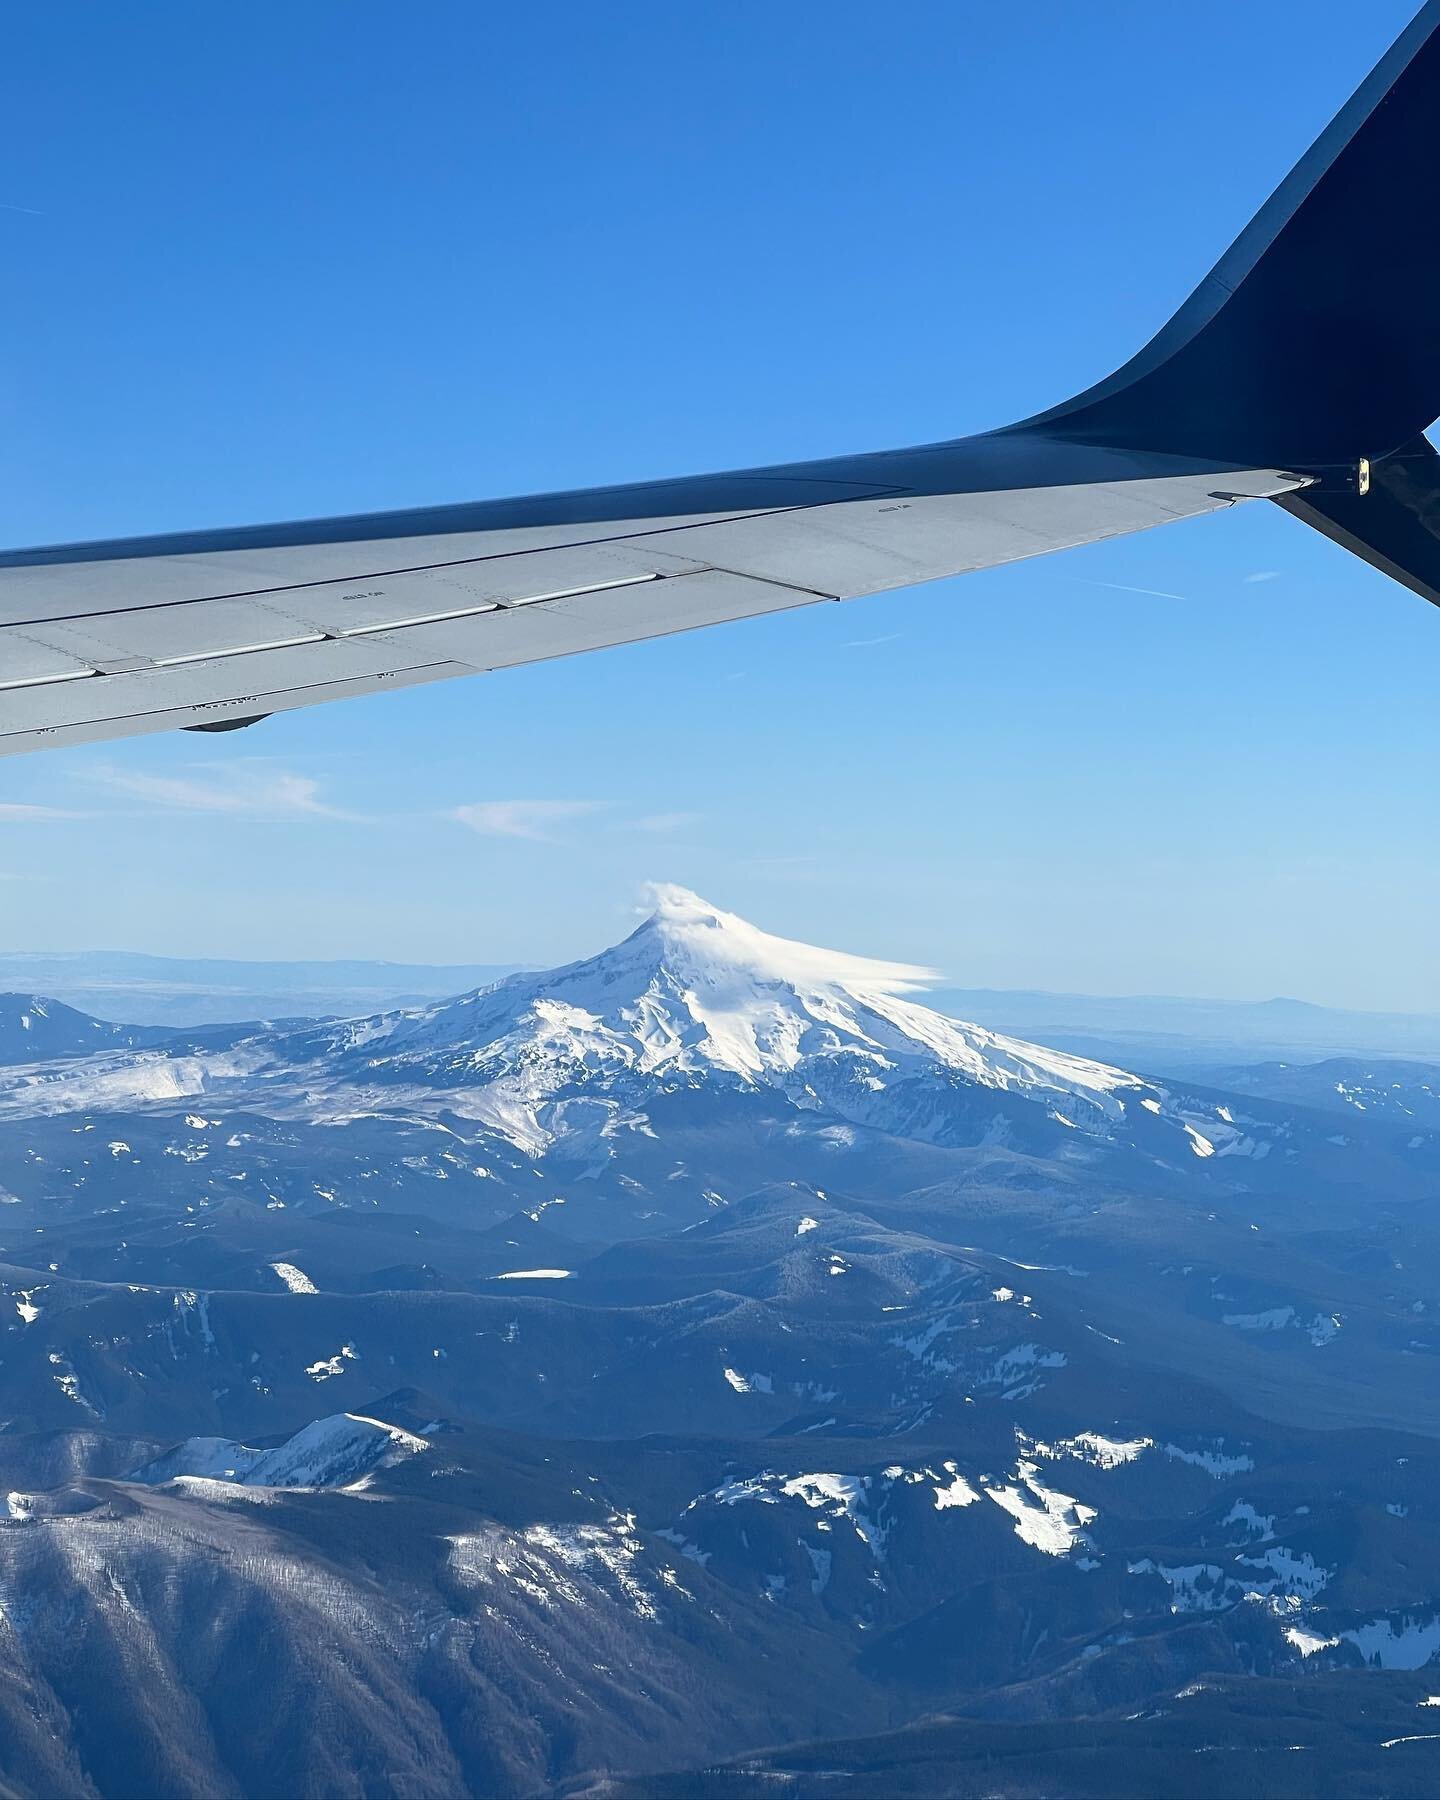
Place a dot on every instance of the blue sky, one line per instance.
(278, 261)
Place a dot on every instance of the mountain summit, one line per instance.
(688, 935)
(695, 1000)
(696, 988)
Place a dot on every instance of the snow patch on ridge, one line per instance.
(1045, 1518)
(295, 1279)
(326, 1367)
(957, 1492)
(1091, 1447)
(583, 1566)
(1216, 1462)
(1408, 1643)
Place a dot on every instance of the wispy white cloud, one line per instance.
(1263, 575)
(535, 820)
(249, 790)
(671, 821)
(892, 637)
(17, 812)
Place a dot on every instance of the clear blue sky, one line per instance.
(270, 261)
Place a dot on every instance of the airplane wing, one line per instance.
(1306, 357)
(207, 631)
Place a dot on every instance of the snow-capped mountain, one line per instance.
(694, 999)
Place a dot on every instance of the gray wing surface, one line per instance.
(210, 630)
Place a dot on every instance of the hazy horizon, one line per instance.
(938, 983)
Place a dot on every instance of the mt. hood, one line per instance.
(695, 1001)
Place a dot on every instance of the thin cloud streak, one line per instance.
(1122, 587)
(245, 791)
(1262, 575)
(672, 821)
(892, 637)
(532, 820)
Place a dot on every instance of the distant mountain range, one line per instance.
(1175, 1035)
(125, 987)
(1164, 1035)
(706, 1369)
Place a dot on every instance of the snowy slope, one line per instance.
(694, 998)
(330, 1452)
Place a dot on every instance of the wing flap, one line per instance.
(30, 662)
(185, 692)
(109, 643)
